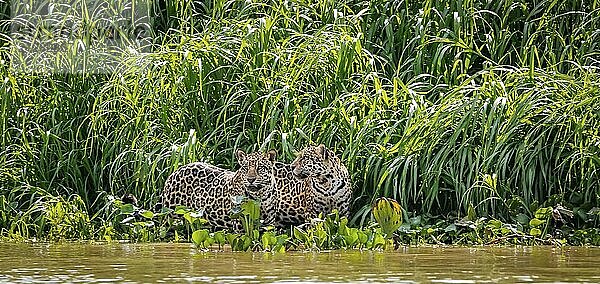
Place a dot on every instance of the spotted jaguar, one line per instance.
(316, 182)
(210, 189)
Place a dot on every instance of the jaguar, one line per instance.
(315, 182)
(211, 189)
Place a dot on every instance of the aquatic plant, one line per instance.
(388, 214)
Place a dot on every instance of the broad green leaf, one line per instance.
(268, 239)
(209, 242)
(343, 229)
(450, 228)
(535, 232)
(180, 210)
(522, 218)
(189, 218)
(543, 213)
(219, 237)
(246, 242)
(199, 236)
(378, 241)
(231, 238)
(252, 209)
(388, 214)
(535, 222)
(147, 214)
(352, 237)
(494, 224)
(127, 209)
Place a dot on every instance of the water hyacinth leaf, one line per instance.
(127, 208)
(282, 239)
(279, 249)
(543, 213)
(343, 228)
(219, 238)
(333, 217)
(180, 210)
(245, 242)
(535, 232)
(362, 237)
(191, 219)
(251, 208)
(268, 239)
(236, 244)
(536, 222)
(231, 238)
(522, 219)
(388, 214)
(147, 214)
(494, 224)
(351, 237)
(208, 242)
(321, 237)
(450, 228)
(199, 236)
(378, 240)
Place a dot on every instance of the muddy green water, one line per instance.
(183, 263)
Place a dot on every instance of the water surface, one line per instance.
(182, 263)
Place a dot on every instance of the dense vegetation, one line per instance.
(454, 108)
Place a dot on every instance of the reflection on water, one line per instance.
(183, 263)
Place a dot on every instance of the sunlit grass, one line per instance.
(442, 106)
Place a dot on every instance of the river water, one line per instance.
(165, 262)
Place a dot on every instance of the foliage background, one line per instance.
(442, 105)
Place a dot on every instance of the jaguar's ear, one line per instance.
(323, 151)
(240, 155)
(272, 155)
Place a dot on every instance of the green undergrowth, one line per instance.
(57, 219)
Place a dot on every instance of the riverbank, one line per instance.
(62, 221)
(473, 115)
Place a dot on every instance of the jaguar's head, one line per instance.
(256, 171)
(314, 161)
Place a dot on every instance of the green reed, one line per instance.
(444, 106)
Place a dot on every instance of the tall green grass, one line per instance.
(442, 105)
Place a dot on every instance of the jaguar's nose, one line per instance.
(251, 179)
